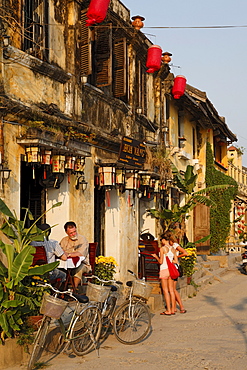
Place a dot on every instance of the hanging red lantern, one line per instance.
(153, 62)
(178, 87)
(97, 11)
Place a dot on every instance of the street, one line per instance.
(211, 335)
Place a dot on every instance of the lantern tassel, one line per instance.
(108, 198)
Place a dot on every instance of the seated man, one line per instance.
(75, 245)
(53, 250)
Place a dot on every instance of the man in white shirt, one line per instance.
(53, 250)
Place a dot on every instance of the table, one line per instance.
(69, 264)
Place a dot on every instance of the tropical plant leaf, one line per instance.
(3, 270)
(10, 253)
(5, 210)
(43, 269)
(27, 301)
(21, 264)
(4, 324)
(11, 303)
(12, 323)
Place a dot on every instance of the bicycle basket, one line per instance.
(97, 293)
(141, 289)
(52, 306)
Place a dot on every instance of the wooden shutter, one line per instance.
(103, 53)
(119, 64)
(86, 46)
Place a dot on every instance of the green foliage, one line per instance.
(17, 298)
(186, 184)
(219, 215)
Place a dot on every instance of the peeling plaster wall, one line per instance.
(12, 157)
(121, 237)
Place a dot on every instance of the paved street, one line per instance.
(211, 335)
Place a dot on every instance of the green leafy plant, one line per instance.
(105, 268)
(15, 303)
(220, 215)
(186, 183)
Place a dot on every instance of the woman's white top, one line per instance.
(170, 255)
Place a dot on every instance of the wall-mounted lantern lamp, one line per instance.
(139, 110)
(166, 129)
(4, 172)
(80, 181)
(84, 79)
(6, 41)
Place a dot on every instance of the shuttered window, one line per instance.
(119, 65)
(103, 55)
(86, 46)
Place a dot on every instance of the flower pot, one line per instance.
(189, 278)
(34, 321)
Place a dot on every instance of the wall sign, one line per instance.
(132, 152)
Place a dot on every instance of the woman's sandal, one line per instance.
(165, 313)
(183, 311)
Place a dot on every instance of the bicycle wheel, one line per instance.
(132, 323)
(107, 316)
(39, 342)
(85, 331)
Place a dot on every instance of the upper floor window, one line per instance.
(104, 58)
(35, 41)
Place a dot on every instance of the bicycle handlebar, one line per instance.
(104, 281)
(68, 292)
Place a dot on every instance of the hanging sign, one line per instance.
(132, 152)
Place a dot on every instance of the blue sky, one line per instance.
(212, 60)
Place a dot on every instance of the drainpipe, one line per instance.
(1, 142)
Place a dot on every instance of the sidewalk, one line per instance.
(208, 272)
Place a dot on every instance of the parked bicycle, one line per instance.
(106, 297)
(131, 321)
(83, 330)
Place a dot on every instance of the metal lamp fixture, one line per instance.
(6, 40)
(139, 110)
(84, 79)
(5, 172)
(81, 181)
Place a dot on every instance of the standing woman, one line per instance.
(180, 252)
(167, 283)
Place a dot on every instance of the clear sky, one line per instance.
(212, 60)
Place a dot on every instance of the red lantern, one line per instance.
(179, 87)
(154, 58)
(97, 11)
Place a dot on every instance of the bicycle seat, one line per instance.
(113, 288)
(129, 283)
(81, 298)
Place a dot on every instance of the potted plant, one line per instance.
(188, 262)
(104, 268)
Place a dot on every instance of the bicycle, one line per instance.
(105, 297)
(132, 319)
(83, 331)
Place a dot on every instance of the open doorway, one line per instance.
(32, 193)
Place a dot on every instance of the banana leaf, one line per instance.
(43, 269)
(21, 266)
(4, 324)
(5, 210)
(9, 250)
(11, 303)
